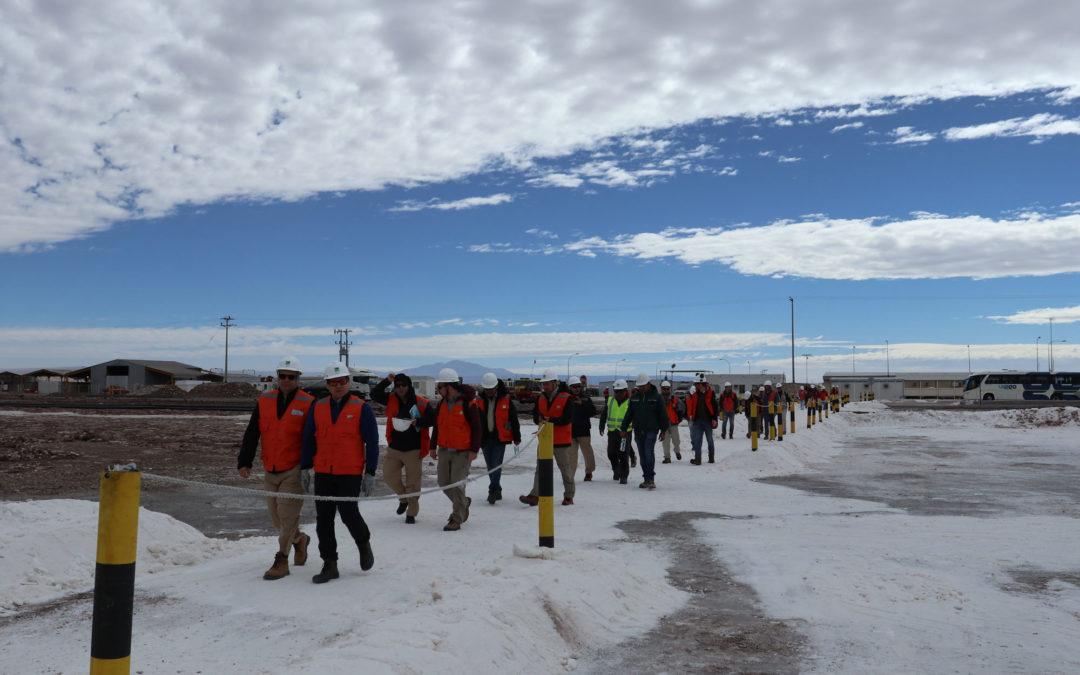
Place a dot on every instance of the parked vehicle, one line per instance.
(1013, 385)
(361, 382)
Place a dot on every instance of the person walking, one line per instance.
(701, 411)
(729, 408)
(555, 406)
(499, 425)
(408, 419)
(341, 443)
(581, 428)
(647, 415)
(277, 423)
(456, 441)
(611, 418)
(676, 412)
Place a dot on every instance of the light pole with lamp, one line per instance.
(747, 367)
(720, 358)
(1037, 352)
(969, 359)
(806, 371)
(1052, 352)
(852, 358)
(792, 301)
(886, 358)
(1051, 355)
(568, 365)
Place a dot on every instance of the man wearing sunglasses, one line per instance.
(278, 424)
(341, 442)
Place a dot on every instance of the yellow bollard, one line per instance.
(826, 404)
(809, 412)
(545, 461)
(791, 409)
(753, 426)
(114, 576)
(772, 420)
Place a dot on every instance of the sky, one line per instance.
(596, 186)
(973, 579)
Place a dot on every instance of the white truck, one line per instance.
(361, 382)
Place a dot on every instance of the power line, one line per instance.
(343, 344)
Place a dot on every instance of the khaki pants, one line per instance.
(671, 438)
(285, 513)
(566, 460)
(410, 461)
(585, 443)
(453, 467)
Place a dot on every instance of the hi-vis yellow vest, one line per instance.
(616, 412)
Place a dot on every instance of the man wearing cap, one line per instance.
(611, 418)
(341, 443)
(581, 428)
(408, 418)
(701, 410)
(647, 414)
(676, 412)
(729, 407)
(498, 425)
(277, 422)
(555, 406)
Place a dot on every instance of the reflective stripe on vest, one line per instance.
(616, 412)
(282, 439)
(340, 448)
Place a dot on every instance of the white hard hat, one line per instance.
(489, 381)
(727, 384)
(699, 377)
(642, 379)
(336, 370)
(745, 395)
(768, 383)
(549, 376)
(619, 384)
(401, 424)
(761, 388)
(665, 383)
(447, 375)
(800, 388)
(290, 363)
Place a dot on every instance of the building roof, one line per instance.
(180, 371)
(918, 375)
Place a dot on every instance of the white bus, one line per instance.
(1012, 385)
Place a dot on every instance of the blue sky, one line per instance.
(506, 184)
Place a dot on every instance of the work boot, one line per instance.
(678, 455)
(468, 503)
(300, 550)
(491, 498)
(329, 571)
(633, 461)
(667, 460)
(410, 520)
(695, 461)
(529, 499)
(451, 526)
(367, 558)
(279, 569)
(568, 501)
(622, 481)
(712, 460)
(651, 485)
(401, 506)
(588, 475)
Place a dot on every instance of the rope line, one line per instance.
(323, 498)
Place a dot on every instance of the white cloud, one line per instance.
(1037, 125)
(1042, 316)
(909, 135)
(457, 205)
(843, 127)
(114, 110)
(926, 246)
(546, 234)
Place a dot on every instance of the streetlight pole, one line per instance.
(1051, 344)
(852, 358)
(747, 367)
(227, 325)
(969, 359)
(806, 371)
(616, 376)
(725, 361)
(792, 301)
(1052, 352)
(1037, 353)
(568, 365)
(886, 358)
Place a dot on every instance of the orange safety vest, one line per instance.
(392, 411)
(340, 450)
(502, 416)
(455, 432)
(673, 410)
(282, 439)
(729, 401)
(563, 434)
(691, 408)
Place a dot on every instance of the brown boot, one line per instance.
(300, 550)
(279, 569)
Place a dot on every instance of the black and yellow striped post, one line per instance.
(114, 578)
(791, 409)
(826, 404)
(810, 402)
(545, 465)
(772, 420)
(779, 418)
(753, 425)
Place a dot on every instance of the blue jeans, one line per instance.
(697, 428)
(728, 425)
(494, 450)
(646, 443)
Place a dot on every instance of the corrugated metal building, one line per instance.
(124, 375)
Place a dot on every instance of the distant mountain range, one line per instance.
(466, 370)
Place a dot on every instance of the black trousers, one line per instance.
(620, 461)
(331, 485)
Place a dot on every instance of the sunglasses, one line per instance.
(338, 382)
(286, 376)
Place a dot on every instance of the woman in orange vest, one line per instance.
(341, 442)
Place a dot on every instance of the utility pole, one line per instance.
(227, 324)
(343, 344)
(806, 372)
(792, 301)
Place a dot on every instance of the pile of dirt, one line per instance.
(224, 390)
(161, 391)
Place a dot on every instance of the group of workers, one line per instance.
(330, 446)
